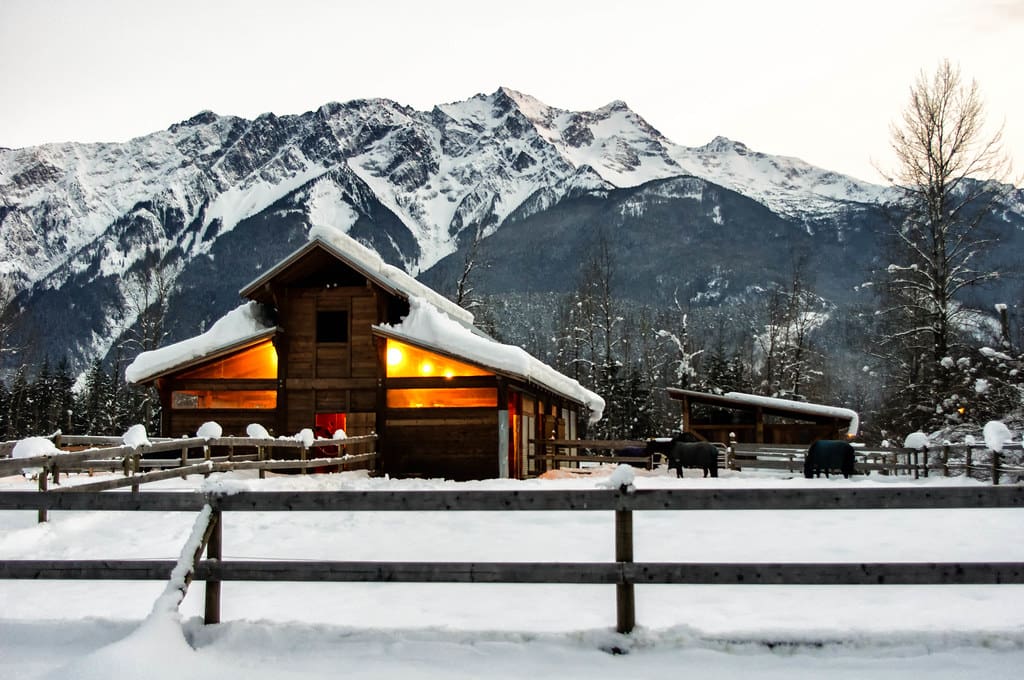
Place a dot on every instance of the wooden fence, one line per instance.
(948, 460)
(195, 456)
(624, 573)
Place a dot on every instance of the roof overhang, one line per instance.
(212, 355)
(504, 373)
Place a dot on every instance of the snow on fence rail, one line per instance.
(131, 460)
(624, 572)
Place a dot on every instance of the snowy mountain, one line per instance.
(216, 198)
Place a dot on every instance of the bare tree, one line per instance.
(147, 294)
(950, 173)
(464, 296)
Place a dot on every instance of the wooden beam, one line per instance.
(756, 573)
(844, 498)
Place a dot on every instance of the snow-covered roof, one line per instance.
(743, 399)
(243, 325)
(427, 328)
(368, 263)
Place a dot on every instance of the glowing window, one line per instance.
(458, 397)
(259, 361)
(224, 399)
(406, 361)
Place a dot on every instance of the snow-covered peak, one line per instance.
(722, 145)
(787, 185)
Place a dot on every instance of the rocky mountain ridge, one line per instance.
(214, 199)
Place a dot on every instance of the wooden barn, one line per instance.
(334, 338)
(754, 419)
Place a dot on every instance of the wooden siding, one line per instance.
(458, 444)
(331, 377)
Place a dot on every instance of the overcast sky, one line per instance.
(818, 80)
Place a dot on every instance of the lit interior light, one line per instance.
(426, 368)
(395, 356)
(449, 373)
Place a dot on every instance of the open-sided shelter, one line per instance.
(334, 338)
(762, 420)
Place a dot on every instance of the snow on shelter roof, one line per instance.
(241, 326)
(770, 403)
(368, 263)
(426, 327)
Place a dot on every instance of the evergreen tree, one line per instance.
(5, 403)
(20, 407)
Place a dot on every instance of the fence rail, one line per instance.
(947, 460)
(624, 572)
(131, 460)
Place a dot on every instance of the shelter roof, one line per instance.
(784, 408)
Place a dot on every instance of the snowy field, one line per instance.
(77, 629)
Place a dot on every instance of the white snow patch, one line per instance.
(31, 447)
(306, 436)
(996, 434)
(916, 440)
(622, 476)
(136, 436)
(210, 430)
(257, 431)
(327, 205)
(240, 202)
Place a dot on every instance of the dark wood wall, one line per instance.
(454, 443)
(334, 377)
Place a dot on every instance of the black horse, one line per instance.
(825, 455)
(686, 450)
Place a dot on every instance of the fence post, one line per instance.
(184, 461)
(926, 455)
(967, 467)
(43, 476)
(945, 460)
(625, 600)
(303, 456)
(261, 454)
(214, 550)
(995, 468)
(206, 457)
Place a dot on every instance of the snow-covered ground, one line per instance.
(77, 629)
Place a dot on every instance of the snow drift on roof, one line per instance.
(425, 325)
(240, 324)
(800, 407)
(390, 275)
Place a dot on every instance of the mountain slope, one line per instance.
(214, 199)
